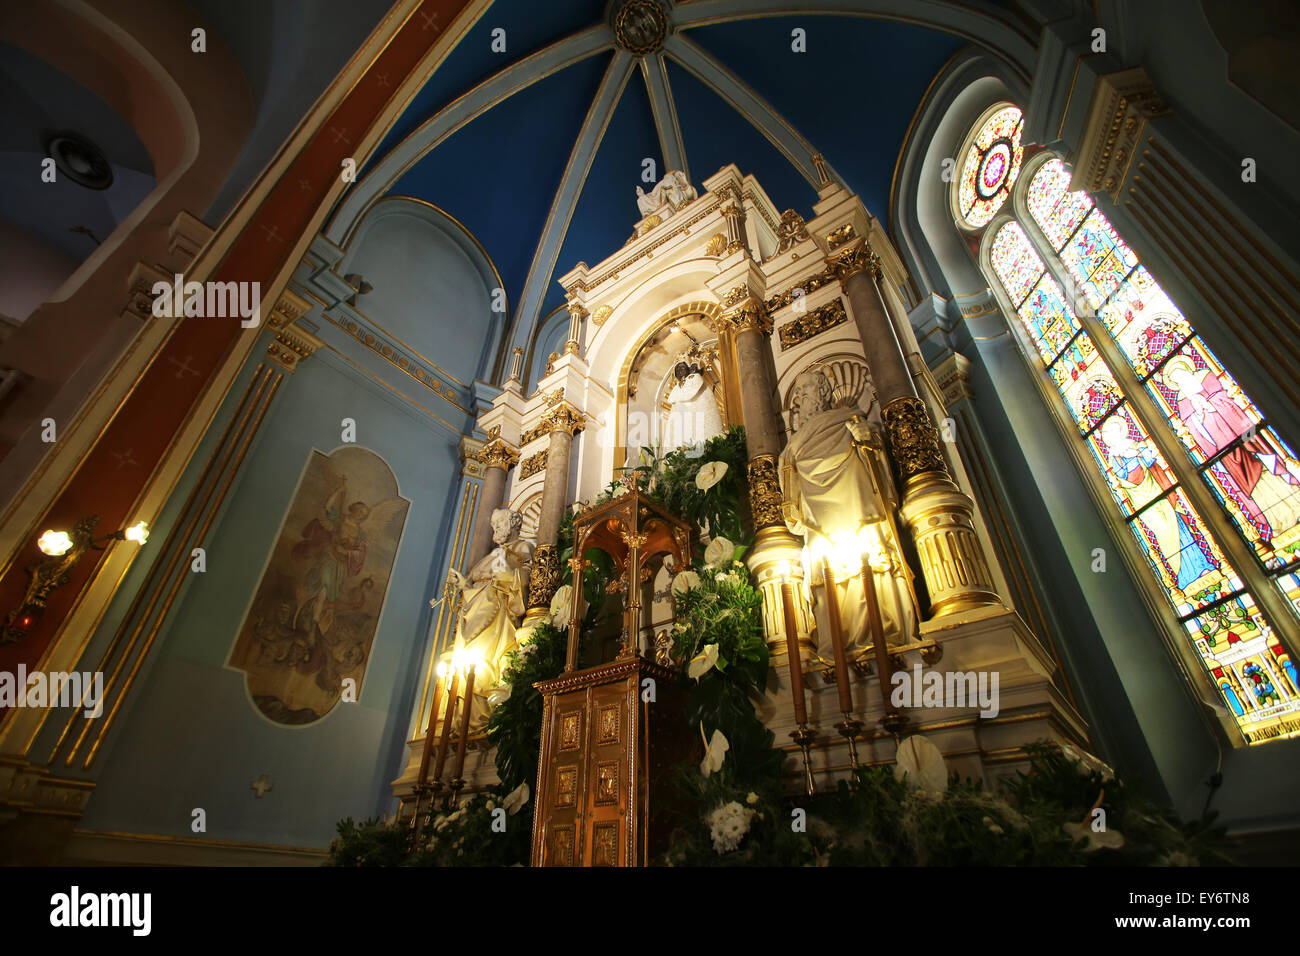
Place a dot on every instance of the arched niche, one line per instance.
(432, 285)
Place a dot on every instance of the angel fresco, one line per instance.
(313, 617)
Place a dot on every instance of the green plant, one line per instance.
(671, 480)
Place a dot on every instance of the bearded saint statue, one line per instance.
(838, 495)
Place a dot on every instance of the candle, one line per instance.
(446, 727)
(464, 724)
(883, 666)
(428, 732)
(792, 652)
(837, 639)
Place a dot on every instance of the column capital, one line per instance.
(859, 257)
(498, 453)
(291, 345)
(563, 418)
(743, 310)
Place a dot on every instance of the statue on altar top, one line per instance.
(490, 603)
(839, 496)
(673, 191)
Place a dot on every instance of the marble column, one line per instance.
(776, 555)
(497, 458)
(563, 422)
(938, 513)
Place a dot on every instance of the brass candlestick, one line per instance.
(849, 729)
(804, 738)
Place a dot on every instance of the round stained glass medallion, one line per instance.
(991, 165)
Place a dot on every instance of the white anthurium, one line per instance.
(1097, 839)
(715, 751)
(923, 765)
(562, 606)
(686, 581)
(499, 695)
(703, 661)
(719, 553)
(516, 799)
(710, 474)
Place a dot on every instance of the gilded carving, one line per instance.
(806, 326)
(765, 492)
(858, 258)
(570, 730)
(802, 288)
(566, 786)
(790, 232)
(498, 454)
(562, 854)
(607, 783)
(564, 418)
(532, 465)
(837, 237)
(717, 244)
(600, 315)
(913, 439)
(607, 724)
(544, 578)
(605, 848)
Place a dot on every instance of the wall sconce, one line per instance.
(63, 551)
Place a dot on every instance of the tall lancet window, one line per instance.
(1208, 490)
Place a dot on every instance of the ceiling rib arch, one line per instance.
(459, 113)
(655, 73)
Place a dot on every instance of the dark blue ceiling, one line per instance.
(852, 96)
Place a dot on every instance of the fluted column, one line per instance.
(939, 515)
(775, 557)
(498, 458)
(576, 312)
(563, 422)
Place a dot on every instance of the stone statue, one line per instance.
(693, 417)
(674, 189)
(492, 599)
(838, 494)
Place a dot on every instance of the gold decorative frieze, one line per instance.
(801, 288)
(531, 435)
(408, 364)
(818, 320)
(532, 465)
(837, 237)
(913, 439)
(1117, 116)
(765, 492)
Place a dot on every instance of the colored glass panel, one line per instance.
(1016, 263)
(1097, 259)
(1086, 383)
(1258, 483)
(1057, 211)
(1144, 322)
(1048, 319)
(1183, 555)
(1204, 403)
(991, 167)
(1131, 463)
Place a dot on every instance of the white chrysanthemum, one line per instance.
(728, 825)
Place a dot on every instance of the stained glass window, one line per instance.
(1252, 473)
(991, 166)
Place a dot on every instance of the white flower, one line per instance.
(702, 662)
(922, 763)
(715, 751)
(561, 606)
(1097, 839)
(498, 695)
(752, 798)
(719, 552)
(710, 474)
(516, 799)
(686, 581)
(728, 825)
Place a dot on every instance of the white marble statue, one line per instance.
(674, 189)
(838, 498)
(693, 417)
(491, 601)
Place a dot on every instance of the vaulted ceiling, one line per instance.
(538, 149)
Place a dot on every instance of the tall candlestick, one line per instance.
(883, 665)
(837, 639)
(464, 724)
(446, 728)
(792, 653)
(428, 735)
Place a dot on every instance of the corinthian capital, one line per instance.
(859, 257)
(564, 418)
(497, 454)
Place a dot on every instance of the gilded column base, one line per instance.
(952, 559)
(778, 555)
